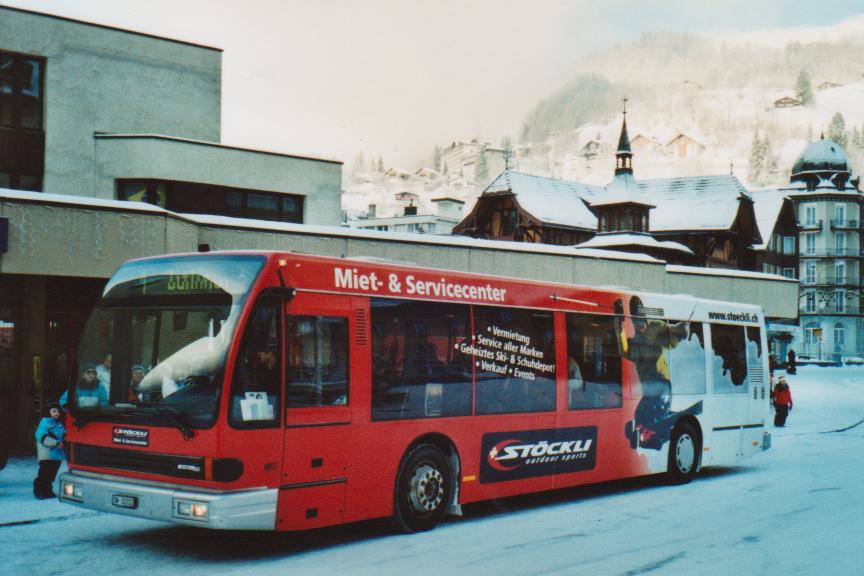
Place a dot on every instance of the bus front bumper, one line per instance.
(238, 510)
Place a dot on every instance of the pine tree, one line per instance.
(481, 171)
(803, 89)
(507, 147)
(756, 166)
(769, 160)
(436, 158)
(837, 130)
(380, 165)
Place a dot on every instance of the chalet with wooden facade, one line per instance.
(684, 146)
(787, 102)
(703, 221)
(778, 226)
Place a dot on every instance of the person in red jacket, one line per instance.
(782, 398)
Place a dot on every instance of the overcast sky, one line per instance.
(395, 77)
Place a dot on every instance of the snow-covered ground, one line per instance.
(796, 509)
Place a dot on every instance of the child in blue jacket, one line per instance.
(49, 450)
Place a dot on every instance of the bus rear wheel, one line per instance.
(683, 454)
(422, 490)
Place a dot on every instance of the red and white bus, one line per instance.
(281, 391)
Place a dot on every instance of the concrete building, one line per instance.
(828, 203)
(448, 213)
(97, 114)
(461, 160)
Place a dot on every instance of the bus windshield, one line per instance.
(154, 348)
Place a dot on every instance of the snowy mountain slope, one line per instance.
(717, 91)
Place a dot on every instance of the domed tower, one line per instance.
(829, 207)
(823, 165)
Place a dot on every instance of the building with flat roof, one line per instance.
(102, 115)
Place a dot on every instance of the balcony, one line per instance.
(836, 281)
(810, 225)
(831, 310)
(844, 224)
(831, 252)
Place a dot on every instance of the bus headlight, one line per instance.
(199, 510)
(72, 491)
(190, 510)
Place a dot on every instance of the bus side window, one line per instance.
(256, 385)
(593, 362)
(730, 359)
(687, 357)
(419, 366)
(317, 361)
(516, 369)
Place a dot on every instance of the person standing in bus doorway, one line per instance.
(790, 364)
(782, 398)
(49, 451)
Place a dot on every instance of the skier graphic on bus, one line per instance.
(648, 346)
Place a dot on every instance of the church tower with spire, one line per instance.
(622, 208)
(623, 212)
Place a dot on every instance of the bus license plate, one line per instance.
(123, 501)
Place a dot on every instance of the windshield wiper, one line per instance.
(177, 420)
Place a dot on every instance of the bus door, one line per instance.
(729, 371)
(758, 395)
(318, 410)
(255, 406)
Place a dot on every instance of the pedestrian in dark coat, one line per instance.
(790, 364)
(782, 398)
(49, 451)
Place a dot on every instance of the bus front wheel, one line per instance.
(683, 454)
(422, 489)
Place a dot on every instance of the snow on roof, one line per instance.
(680, 135)
(249, 223)
(552, 201)
(81, 201)
(694, 202)
(767, 205)
(622, 189)
(605, 240)
(726, 272)
(688, 203)
(822, 155)
(601, 253)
